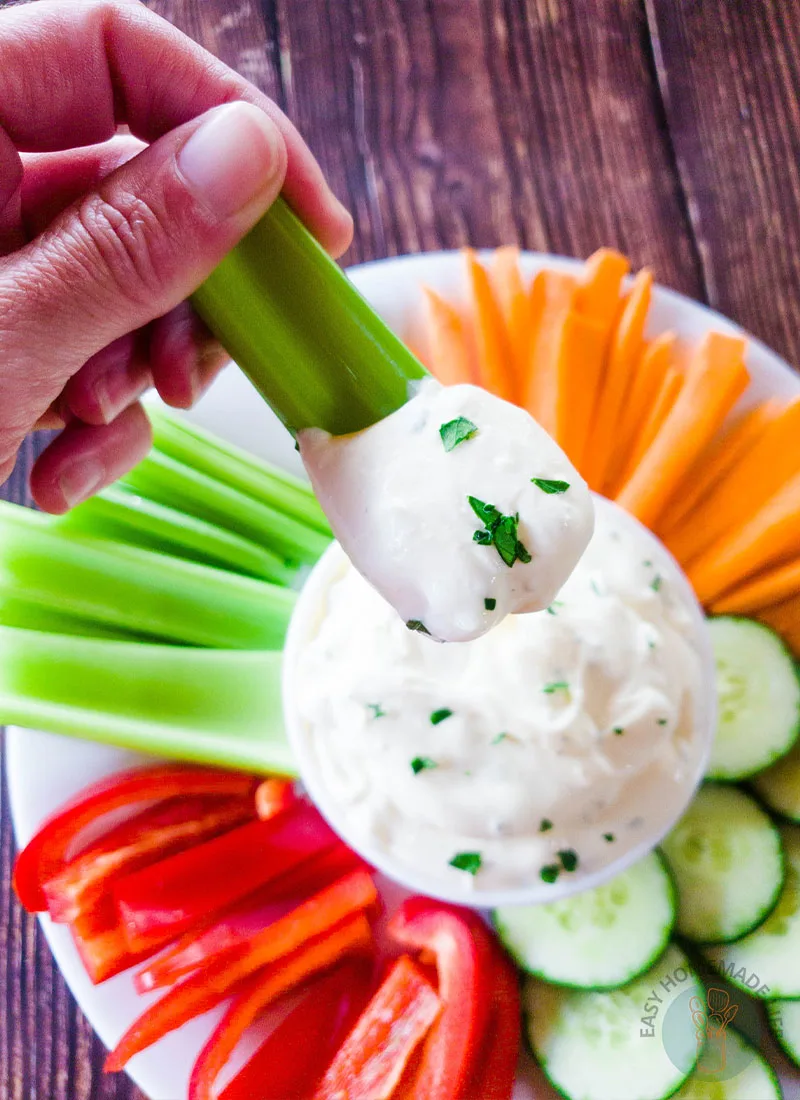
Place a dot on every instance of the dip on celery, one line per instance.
(547, 748)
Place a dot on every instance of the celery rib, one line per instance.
(209, 706)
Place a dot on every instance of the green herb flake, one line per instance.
(550, 872)
(500, 531)
(647, 564)
(484, 538)
(594, 587)
(662, 721)
(457, 431)
(656, 584)
(552, 608)
(500, 737)
(377, 710)
(550, 487)
(467, 861)
(619, 730)
(422, 763)
(419, 627)
(440, 715)
(608, 837)
(556, 685)
(489, 603)
(545, 825)
(569, 858)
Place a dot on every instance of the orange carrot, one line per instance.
(662, 405)
(626, 347)
(600, 283)
(448, 351)
(761, 469)
(770, 587)
(551, 298)
(515, 305)
(783, 617)
(770, 537)
(715, 380)
(495, 366)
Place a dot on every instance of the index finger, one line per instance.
(72, 70)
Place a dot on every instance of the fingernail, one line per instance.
(232, 158)
(80, 480)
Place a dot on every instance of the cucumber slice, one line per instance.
(592, 1046)
(784, 1020)
(599, 939)
(755, 1080)
(779, 786)
(759, 698)
(726, 858)
(767, 962)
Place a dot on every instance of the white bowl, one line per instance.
(463, 889)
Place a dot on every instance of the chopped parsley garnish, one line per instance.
(556, 685)
(552, 608)
(618, 730)
(422, 763)
(569, 858)
(608, 837)
(489, 603)
(662, 721)
(550, 872)
(377, 710)
(457, 431)
(594, 587)
(545, 825)
(419, 627)
(440, 715)
(500, 737)
(500, 531)
(548, 486)
(648, 564)
(656, 584)
(467, 861)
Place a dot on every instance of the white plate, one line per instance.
(45, 770)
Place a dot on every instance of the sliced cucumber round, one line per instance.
(716, 1078)
(759, 698)
(784, 1020)
(615, 1045)
(767, 962)
(726, 858)
(779, 786)
(600, 939)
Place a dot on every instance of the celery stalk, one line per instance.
(177, 485)
(211, 706)
(138, 590)
(179, 439)
(17, 611)
(301, 332)
(136, 521)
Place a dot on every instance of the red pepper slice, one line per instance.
(205, 988)
(461, 946)
(155, 833)
(59, 837)
(292, 1059)
(179, 892)
(273, 796)
(101, 944)
(223, 933)
(496, 1072)
(377, 1050)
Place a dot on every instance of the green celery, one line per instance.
(17, 611)
(139, 590)
(180, 439)
(169, 482)
(219, 707)
(137, 521)
(301, 332)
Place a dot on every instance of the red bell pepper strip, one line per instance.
(496, 1072)
(461, 946)
(206, 987)
(179, 892)
(59, 837)
(155, 833)
(292, 1059)
(224, 932)
(376, 1052)
(101, 944)
(273, 796)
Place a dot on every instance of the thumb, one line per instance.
(139, 244)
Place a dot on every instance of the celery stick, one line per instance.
(136, 521)
(170, 482)
(207, 705)
(180, 439)
(301, 332)
(139, 590)
(16, 611)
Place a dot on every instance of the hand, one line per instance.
(103, 237)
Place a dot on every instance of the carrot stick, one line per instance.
(715, 380)
(770, 537)
(515, 305)
(662, 406)
(783, 617)
(720, 458)
(551, 299)
(448, 351)
(495, 366)
(600, 283)
(626, 347)
(773, 586)
(772, 459)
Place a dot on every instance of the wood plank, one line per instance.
(729, 75)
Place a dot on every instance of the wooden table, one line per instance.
(667, 128)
